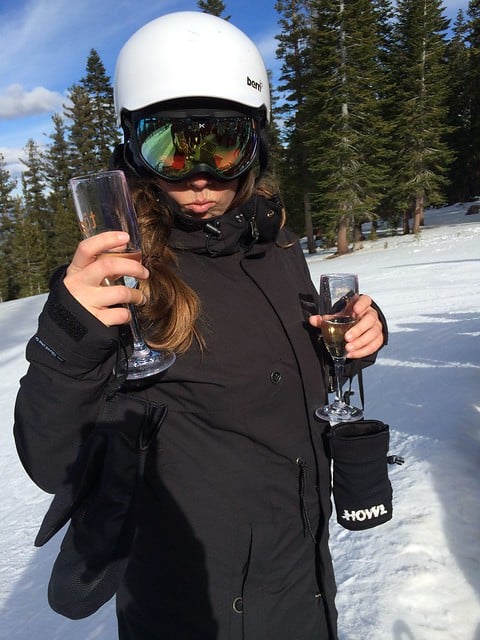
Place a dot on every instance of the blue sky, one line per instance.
(44, 45)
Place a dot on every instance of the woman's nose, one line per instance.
(199, 181)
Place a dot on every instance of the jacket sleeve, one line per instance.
(71, 358)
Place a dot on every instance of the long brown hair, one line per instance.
(170, 315)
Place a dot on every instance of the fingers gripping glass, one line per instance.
(176, 146)
(102, 203)
(338, 293)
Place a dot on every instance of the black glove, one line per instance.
(361, 488)
(99, 501)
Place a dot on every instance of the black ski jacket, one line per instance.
(231, 513)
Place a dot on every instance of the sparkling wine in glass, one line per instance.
(103, 203)
(338, 292)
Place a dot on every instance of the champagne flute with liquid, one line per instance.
(103, 203)
(338, 293)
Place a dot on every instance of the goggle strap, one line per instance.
(263, 149)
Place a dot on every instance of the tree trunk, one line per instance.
(342, 242)
(406, 222)
(357, 236)
(417, 213)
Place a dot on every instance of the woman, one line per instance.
(231, 516)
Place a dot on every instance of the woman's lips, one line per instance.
(200, 208)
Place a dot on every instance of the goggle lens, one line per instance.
(176, 147)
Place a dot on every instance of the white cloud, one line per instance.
(11, 155)
(16, 102)
(12, 161)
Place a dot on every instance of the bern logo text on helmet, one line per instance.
(254, 84)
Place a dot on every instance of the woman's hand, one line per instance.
(366, 336)
(91, 265)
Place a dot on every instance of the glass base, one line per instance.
(146, 362)
(339, 412)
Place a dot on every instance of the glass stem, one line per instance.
(138, 342)
(339, 366)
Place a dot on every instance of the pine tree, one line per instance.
(28, 254)
(7, 185)
(34, 186)
(81, 133)
(275, 149)
(294, 52)
(473, 38)
(34, 223)
(93, 131)
(419, 137)
(7, 207)
(214, 7)
(58, 169)
(459, 111)
(346, 130)
(99, 90)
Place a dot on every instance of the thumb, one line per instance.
(316, 321)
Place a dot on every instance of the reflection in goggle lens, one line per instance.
(175, 147)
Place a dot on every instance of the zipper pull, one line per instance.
(212, 228)
(253, 229)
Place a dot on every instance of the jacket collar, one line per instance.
(256, 223)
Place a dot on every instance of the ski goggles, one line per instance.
(176, 145)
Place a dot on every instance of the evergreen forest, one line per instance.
(375, 116)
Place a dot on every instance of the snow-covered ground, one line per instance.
(414, 578)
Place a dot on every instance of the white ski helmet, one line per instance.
(190, 54)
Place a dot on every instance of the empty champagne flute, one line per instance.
(338, 292)
(103, 203)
